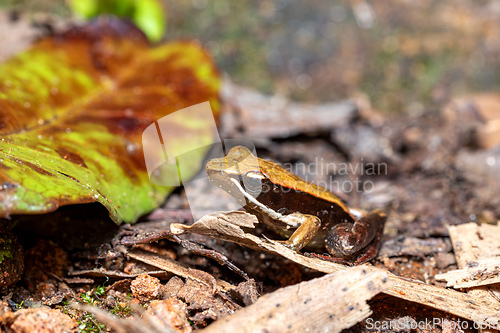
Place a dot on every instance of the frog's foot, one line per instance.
(309, 225)
(371, 251)
(285, 243)
(347, 239)
(365, 255)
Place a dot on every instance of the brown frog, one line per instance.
(305, 213)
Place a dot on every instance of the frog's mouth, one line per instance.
(228, 182)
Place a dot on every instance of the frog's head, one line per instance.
(238, 173)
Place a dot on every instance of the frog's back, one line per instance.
(285, 178)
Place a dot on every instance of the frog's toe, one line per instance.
(290, 244)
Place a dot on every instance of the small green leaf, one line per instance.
(148, 15)
(99, 290)
(87, 299)
(85, 8)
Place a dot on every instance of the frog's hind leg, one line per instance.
(309, 225)
(347, 239)
(365, 255)
(371, 250)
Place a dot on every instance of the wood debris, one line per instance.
(472, 244)
(480, 273)
(328, 304)
(111, 274)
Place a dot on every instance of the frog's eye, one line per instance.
(252, 181)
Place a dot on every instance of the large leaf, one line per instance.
(72, 111)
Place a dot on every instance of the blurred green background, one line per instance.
(406, 56)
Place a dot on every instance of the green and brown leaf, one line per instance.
(73, 109)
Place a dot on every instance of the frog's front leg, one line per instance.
(346, 239)
(308, 225)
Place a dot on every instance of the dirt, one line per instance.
(38, 320)
(173, 312)
(145, 288)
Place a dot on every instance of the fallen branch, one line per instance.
(328, 304)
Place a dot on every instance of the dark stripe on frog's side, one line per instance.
(279, 175)
(286, 201)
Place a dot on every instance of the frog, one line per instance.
(307, 215)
